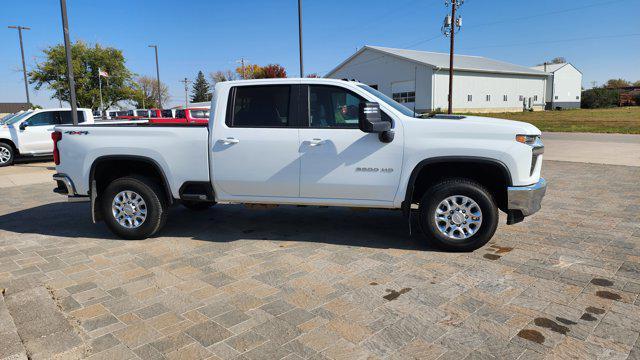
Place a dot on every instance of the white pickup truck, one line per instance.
(308, 142)
(29, 134)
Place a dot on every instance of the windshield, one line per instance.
(389, 101)
(6, 118)
(17, 118)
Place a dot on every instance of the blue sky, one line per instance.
(600, 37)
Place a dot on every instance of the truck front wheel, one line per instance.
(133, 207)
(6, 154)
(458, 215)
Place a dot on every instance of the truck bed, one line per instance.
(179, 150)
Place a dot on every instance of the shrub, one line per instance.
(599, 98)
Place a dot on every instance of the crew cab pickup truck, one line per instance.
(29, 134)
(308, 142)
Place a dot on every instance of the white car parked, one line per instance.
(29, 133)
(308, 142)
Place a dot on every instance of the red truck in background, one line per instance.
(184, 116)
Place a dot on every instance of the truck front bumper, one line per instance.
(65, 187)
(524, 200)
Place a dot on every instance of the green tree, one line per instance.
(200, 91)
(86, 60)
(599, 98)
(616, 83)
(146, 93)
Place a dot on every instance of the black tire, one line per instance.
(4, 150)
(197, 205)
(156, 207)
(451, 187)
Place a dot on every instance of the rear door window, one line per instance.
(65, 117)
(259, 106)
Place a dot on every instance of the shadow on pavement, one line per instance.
(226, 223)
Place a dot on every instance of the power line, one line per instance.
(527, 17)
(554, 41)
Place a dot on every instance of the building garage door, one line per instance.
(404, 92)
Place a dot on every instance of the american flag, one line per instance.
(103, 73)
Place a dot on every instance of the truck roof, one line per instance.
(287, 81)
(62, 109)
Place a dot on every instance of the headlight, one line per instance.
(528, 139)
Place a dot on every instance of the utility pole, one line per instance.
(186, 92)
(158, 76)
(67, 48)
(300, 36)
(241, 61)
(24, 68)
(449, 28)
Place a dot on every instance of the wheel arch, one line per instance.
(10, 142)
(105, 169)
(421, 176)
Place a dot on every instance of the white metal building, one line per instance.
(564, 85)
(421, 79)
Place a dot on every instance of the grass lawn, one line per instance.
(624, 120)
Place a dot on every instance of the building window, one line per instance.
(469, 97)
(556, 97)
(520, 98)
(405, 97)
(577, 97)
(488, 97)
(504, 97)
(535, 97)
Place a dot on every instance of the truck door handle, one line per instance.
(230, 140)
(316, 142)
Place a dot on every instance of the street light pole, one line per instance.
(67, 50)
(155, 47)
(300, 36)
(24, 68)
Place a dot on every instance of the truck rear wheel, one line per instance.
(458, 215)
(6, 154)
(133, 207)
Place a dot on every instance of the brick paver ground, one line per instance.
(333, 283)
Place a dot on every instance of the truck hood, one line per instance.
(518, 127)
(474, 124)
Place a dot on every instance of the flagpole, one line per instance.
(100, 86)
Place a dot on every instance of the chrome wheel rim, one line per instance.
(129, 209)
(5, 155)
(458, 217)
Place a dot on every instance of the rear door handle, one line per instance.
(316, 142)
(230, 140)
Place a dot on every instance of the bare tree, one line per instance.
(146, 92)
(220, 76)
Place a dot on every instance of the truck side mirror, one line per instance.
(24, 124)
(370, 118)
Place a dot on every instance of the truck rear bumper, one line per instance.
(525, 200)
(65, 187)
